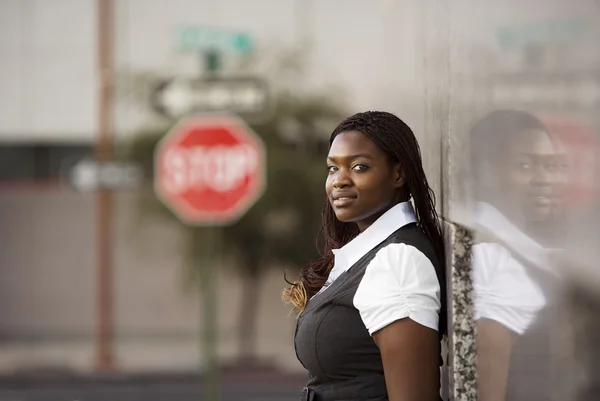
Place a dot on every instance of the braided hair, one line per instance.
(398, 141)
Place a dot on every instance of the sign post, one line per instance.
(209, 170)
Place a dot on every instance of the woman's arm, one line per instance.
(410, 354)
(494, 346)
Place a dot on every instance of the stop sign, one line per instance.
(209, 170)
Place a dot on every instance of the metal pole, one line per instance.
(104, 339)
(212, 251)
(212, 62)
(208, 282)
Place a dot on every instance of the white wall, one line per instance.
(47, 74)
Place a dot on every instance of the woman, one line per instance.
(520, 175)
(372, 308)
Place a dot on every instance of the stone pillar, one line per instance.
(462, 367)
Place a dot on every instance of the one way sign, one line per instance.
(247, 97)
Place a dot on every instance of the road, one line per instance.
(236, 388)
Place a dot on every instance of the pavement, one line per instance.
(237, 386)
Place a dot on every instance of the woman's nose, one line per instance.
(342, 179)
(542, 176)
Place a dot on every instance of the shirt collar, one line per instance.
(395, 218)
(488, 218)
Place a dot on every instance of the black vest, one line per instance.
(331, 340)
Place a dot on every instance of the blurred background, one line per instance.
(106, 295)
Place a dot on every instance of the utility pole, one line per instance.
(104, 278)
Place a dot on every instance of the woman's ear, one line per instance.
(399, 176)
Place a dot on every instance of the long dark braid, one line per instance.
(397, 140)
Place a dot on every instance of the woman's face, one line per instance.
(362, 181)
(534, 176)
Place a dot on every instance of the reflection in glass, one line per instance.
(519, 170)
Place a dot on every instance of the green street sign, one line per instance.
(195, 38)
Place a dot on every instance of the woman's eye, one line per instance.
(331, 169)
(523, 165)
(556, 167)
(360, 167)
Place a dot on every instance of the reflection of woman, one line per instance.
(520, 175)
(372, 308)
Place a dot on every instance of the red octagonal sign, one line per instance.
(209, 170)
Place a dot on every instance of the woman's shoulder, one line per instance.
(399, 282)
(414, 239)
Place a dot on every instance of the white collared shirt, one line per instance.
(400, 282)
(504, 290)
